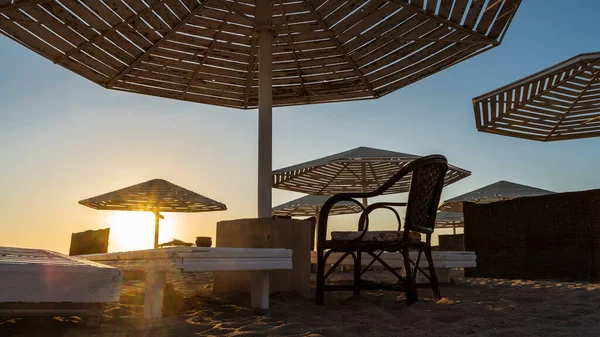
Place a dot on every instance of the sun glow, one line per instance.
(135, 230)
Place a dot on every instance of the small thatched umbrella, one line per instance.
(358, 170)
(558, 103)
(257, 53)
(310, 205)
(449, 220)
(498, 191)
(154, 196)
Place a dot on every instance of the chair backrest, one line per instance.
(427, 181)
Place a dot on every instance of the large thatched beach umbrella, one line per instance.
(358, 170)
(154, 196)
(558, 103)
(257, 53)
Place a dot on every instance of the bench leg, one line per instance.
(155, 291)
(259, 290)
(443, 274)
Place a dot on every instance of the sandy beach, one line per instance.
(477, 307)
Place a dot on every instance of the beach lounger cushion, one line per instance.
(373, 236)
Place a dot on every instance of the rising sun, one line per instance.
(135, 230)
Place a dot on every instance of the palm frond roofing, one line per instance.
(154, 195)
(357, 170)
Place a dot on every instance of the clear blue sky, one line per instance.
(64, 138)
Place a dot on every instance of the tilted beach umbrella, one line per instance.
(257, 53)
(449, 220)
(498, 191)
(358, 170)
(558, 103)
(154, 196)
(310, 205)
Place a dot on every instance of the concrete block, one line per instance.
(266, 233)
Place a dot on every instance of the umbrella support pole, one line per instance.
(156, 224)
(265, 108)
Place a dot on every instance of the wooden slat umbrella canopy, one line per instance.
(558, 103)
(357, 170)
(311, 204)
(257, 53)
(155, 196)
(498, 191)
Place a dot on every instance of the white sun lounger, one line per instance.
(38, 282)
(157, 262)
(444, 261)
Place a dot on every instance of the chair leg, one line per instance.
(410, 287)
(320, 286)
(357, 270)
(435, 287)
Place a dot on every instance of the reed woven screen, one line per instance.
(546, 237)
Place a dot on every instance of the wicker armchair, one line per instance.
(425, 189)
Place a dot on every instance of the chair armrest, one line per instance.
(324, 215)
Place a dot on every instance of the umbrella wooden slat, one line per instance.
(506, 14)
(391, 50)
(410, 65)
(359, 45)
(458, 10)
(437, 63)
(368, 22)
(382, 67)
(474, 13)
(39, 31)
(358, 21)
(445, 8)
(488, 16)
(343, 13)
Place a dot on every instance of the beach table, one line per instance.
(37, 282)
(156, 263)
(444, 262)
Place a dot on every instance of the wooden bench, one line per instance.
(444, 262)
(37, 282)
(156, 263)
